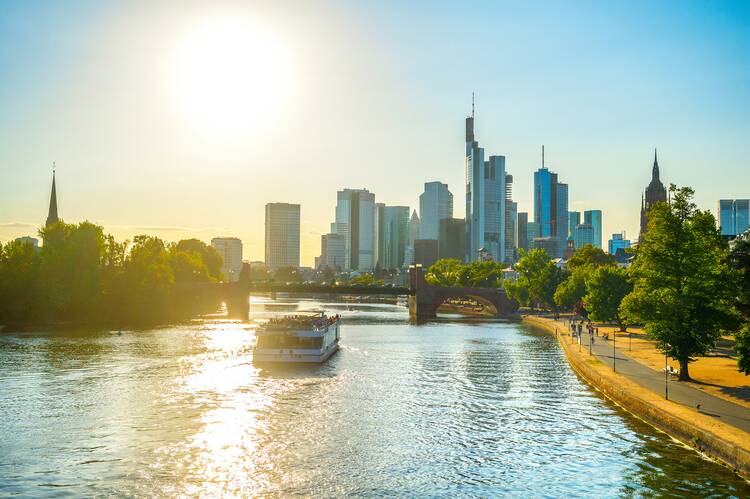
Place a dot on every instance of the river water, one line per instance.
(453, 408)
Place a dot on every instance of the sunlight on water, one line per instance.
(446, 409)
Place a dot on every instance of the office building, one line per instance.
(282, 235)
(485, 199)
(355, 221)
(733, 216)
(395, 236)
(511, 214)
(548, 244)
(551, 208)
(230, 249)
(379, 241)
(532, 232)
(435, 204)
(574, 218)
(522, 235)
(655, 192)
(452, 238)
(594, 218)
(425, 252)
(618, 241)
(584, 234)
(332, 252)
(413, 236)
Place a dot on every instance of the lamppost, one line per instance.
(591, 340)
(666, 374)
(614, 352)
(630, 340)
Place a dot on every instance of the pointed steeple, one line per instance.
(655, 170)
(52, 216)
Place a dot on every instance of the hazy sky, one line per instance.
(184, 119)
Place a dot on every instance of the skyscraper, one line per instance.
(522, 233)
(332, 251)
(485, 199)
(451, 240)
(511, 214)
(282, 235)
(551, 208)
(379, 236)
(230, 249)
(395, 236)
(734, 216)
(52, 216)
(413, 236)
(355, 220)
(594, 218)
(435, 204)
(584, 235)
(574, 218)
(655, 192)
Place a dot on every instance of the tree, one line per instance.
(366, 280)
(589, 256)
(487, 274)
(19, 281)
(287, 274)
(537, 280)
(444, 272)
(570, 292)
(211, 258)
(606, 287)
(683, 288)
(739, 259)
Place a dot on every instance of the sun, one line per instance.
(230, 75)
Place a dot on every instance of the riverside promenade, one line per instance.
(713, 425)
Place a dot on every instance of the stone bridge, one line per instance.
(425, 299)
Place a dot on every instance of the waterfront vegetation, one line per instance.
(83, 276)
(451, 272)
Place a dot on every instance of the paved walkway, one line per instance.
(725, 411)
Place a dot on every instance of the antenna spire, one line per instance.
(542, 155)
(472, 105)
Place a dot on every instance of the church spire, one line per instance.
(52, 216)
(655, 171)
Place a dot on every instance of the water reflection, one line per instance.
(449, 408)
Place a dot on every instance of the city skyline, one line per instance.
(133, 161)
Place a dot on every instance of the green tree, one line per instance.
(444, 272)
(588, 256)
(739, 259)
(570, 292)
(683, 287)
(366, 280)
(19, 281)
(211, 258)
(487, 274)
(538, 278)
(606, 287)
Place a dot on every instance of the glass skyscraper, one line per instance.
(435, 204)
(395, 236)
(734, 216)
(551, 208)
(485, 200)
(594, 218)
(355, 220)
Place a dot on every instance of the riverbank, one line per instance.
(703, 432)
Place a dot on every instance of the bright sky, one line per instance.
(184, 119)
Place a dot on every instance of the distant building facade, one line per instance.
(230, 249)
(511, 216)
(413, 236)
(617, 242)
(655, 192)
(355, 221)
(332, 252)
(584, 234)
(485, 199)
(551, 209)
(395, 236)
(733, 216)
(574, 218)
(425, 251)
(594, 218)
(282, 235)
(28, 240)
(522, 231)
(435, 204)
(452, 240)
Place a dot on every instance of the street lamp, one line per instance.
(614, 352)
(666, 374)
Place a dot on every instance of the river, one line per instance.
(452, 408)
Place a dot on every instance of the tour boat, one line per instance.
(304, 338)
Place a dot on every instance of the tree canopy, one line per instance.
(683, 288)
(739, 259)
(606, 287)
(538, 279)
(451, 272)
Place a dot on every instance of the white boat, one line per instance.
(304, 338)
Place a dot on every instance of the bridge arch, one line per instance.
(486, 303)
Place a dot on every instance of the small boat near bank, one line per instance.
(302, 338)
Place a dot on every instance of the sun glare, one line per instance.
(231, 75)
